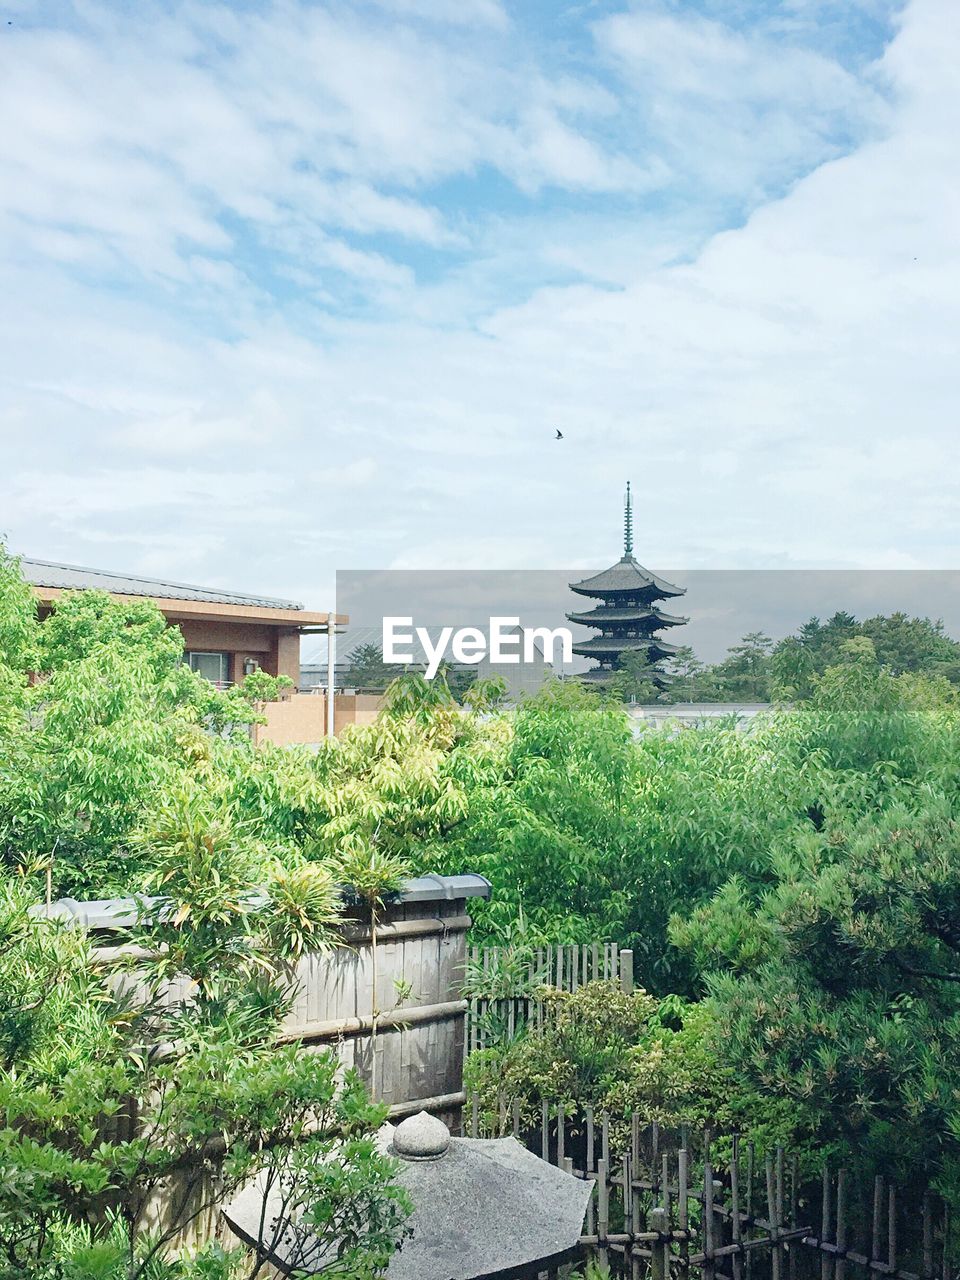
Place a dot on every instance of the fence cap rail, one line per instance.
(124, 913)
(433, 888)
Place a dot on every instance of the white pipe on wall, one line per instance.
(331, 661)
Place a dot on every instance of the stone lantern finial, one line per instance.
(421, 1137)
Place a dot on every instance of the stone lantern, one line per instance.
(483, 1208)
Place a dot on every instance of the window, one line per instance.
(212, 666)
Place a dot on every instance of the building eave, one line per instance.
(597, 645)
(210, 611)
(603, 616)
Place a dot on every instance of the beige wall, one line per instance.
(355, 708)
(286, 653)
(299, 718)
(302, 718)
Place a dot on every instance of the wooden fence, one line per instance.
(503, 983)
(668, 1204)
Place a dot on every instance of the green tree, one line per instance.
(623, 1055)
(792, 670)
(839, 988)
(690, 679)
(112, 719)
(833, 972)
(745, 671)
(260, 686)
(636, 679)
(109, 1102)
(366, 668)
(905, 644)
(902, 644)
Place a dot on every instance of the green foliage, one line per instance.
(636, 679)
(623, 1053)
(114, 720)
(757, 670)
(832, 970)
(404, 782)
(17, 624)
(79, 1252)
(366, 668)
(226, 915)
(106, 1102)
(260, 686)
(594, 835)
(372, 874)
(837, 988)
(795, 880)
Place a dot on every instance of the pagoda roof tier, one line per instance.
(602, 614)
(603, 675)
(626, 577)
(624, 644)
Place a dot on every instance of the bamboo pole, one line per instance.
(773, 1219)
(735, 1223)
(709, 1270)
(683, 1220)
(603, 1212)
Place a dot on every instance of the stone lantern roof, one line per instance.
(483, 1208)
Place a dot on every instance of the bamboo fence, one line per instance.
(666, 1206)
(512, 1001)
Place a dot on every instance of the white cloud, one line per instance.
(742, 107)
(144, 135)
(459, 12)
(783, 391)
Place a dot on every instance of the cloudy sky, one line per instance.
(294, 287)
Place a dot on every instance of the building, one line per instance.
(520, 678)
(627, 617)
(226, 634)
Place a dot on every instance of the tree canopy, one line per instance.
(792, 885)
(757, 669)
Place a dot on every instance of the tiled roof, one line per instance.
(626, 575)
(70, 577)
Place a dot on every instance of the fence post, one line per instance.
(658, 1220)
(736, 1223)
(603, 1212)
(708, 1270)
(626, 972)
(683, 1216)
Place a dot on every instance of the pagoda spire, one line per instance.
(628, 524)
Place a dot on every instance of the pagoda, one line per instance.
(627, 616)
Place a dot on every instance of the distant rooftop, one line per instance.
(71, 577)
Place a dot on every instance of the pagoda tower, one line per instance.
(627, 616)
